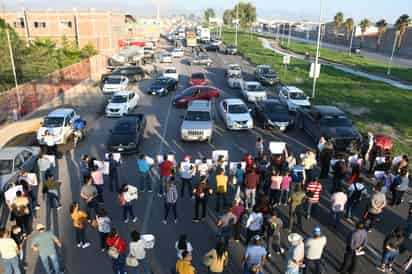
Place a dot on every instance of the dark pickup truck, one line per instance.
(331, 123)
(127, 134)
(134, 73)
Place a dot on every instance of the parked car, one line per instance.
(201, 60)
(195, 93)
(331, 123)
(272, 113)
(127, 134)
(178, 52)
(121, 103)
(235, 114)
(114, 83)
(162, 86)
(133, 73)
(197, 123)
(233, 69)
(198, 79)
(58, 124)
(294, 98)
(171, 72)
(166, 58)
(15, 159)
(231, 49)
(253, 91)
(266, 75)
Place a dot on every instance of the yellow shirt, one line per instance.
(78, 217)
(184, 267)
(8, 248)
(217, 265)
(221, 183)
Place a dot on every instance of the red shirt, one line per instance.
(166, 168)
(251, 180)
(118, 243)
(238, 210)
(316, 189)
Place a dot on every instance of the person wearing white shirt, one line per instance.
(314, 247)
(137, 250)
(203, 168)
(338, 201)
(187, 171)
(253, 224)
(183, 245)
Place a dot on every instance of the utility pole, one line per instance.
(395, 40)
(351, 40)
(290, 29)
(317, 50)
(13, 67)
(237, 23)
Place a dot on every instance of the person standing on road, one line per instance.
(251, 184)
(9, 253)
(98, 181)
(103, 222)
(313, 191)
(325, 156)
(296, 254)
(84, 167)
(88, 193)
(376, 206)
(44, 242)
(203, 168)
(166, 170)
(79, 218)
(259, 148)
(296, 202)
(43, 165)
(128, 194)
(238, 210)
(338, 201)
(183, 245)
(309, 163)
(137, 250)
(21, 212)
(18, 236)
(201, 194)
(113, 174)
(221, 189)
(339, 173)
(225, 225)
(355, 244)
(392, 245)
(217, 259)
(355, 193)
(118, 246)
(275, 188)
(285, 188)
(32, 188)
(187, 171)
(143, 169)
(399, 186)
(254, 224)
(184, 265)
(255, 254)
(274, 226)
(171, 200)
(51, 190)
(314, 247)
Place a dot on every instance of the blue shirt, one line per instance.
(239, 175)
(254, 254)
(79, 124)
(142, 166)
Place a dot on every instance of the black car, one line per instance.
(266, 75)
(272, 114)
(134, 73)
(127, 134)
(331, 123)
(211, 47)
(162, 86)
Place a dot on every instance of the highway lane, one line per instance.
(162, 135)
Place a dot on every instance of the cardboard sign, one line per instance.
(132, 192)
(217, 153)
(149, 161)
(233, 166)
(51, 158)
(170, 157)
(10, 195)
(116, 156)
(277, 147)
(33, 178)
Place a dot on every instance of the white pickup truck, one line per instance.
(253, 91)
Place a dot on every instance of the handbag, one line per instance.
(112, 251)
(132, 261)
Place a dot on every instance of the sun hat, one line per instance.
(294, 238)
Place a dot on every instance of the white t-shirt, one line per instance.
(189, 249)
(314, 247)
(8, 248)
(203, 169)
(255, 221)
(338, 200)
(137, 249)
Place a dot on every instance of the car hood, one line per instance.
(269, 76)
(302, 103)
(116, 105)
(157, 86)
(278, 117)
(111, 86)
(52, 130)
(339, 132)
(121, 139)
(197, 125)
(239, 116)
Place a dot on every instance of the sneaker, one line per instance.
(79, 244)
(134, 219)
(381, 269)
(195, 220)
(59, 207)
(37, 207)
(150, 191)
(164, 222)
(175, 221)
(282, 250)
(126, 221)
(86, 245)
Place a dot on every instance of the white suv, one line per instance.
(121, 103)
(197, 124)
(235, 114)
(293, 97)
(253, 91)
(171, 72)
(114, 83)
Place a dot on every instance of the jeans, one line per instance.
(275, 195)
(200, 202)
(162, 185)
(33, 194)
(336, 216)
(389, 256)
(118, 264)
(128, 210)
(284, 196)
(167, 208)
(99, 193)
(143, 264)
(350, 262)
(350, 206)
(250, 197)
(144, 181)
(270, 238)
(397, 197)
(11, 265)
(113, 182)
(220, 196)
(54, 262)
(53, 199)
(23, 222)
(188, 183)
(295, 216)
(103, 237)
(311, 205)
(313, 266)
(92, 207)
(80, 235)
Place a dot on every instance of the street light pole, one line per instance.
(237, 23)
(14, 70)
(289, 34)
(317, 50)
(351, 40)
(393, 52)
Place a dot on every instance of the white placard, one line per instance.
(277, 147)
(106, 168)
(233, 166)
(198, 162)
(149, 161)
(33, 178)
(51, 158)
(116, 156)
(314, 71)
(217, 153)
(10, 194)
(170, 157)
(132, 192)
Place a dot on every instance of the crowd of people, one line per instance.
(249, 198)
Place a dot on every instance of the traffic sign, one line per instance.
(286, 59)
(314, 73)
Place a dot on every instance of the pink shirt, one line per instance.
(97, 177)
(286, 180)
(275, 182)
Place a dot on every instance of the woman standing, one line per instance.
(137, 251)
(127, 194)
(117, 251)
(183, 245)
(79, 218)
(275, 190)
(217, 258)
(103, 227)
(98, 181)
(201, 193)
(399, 186)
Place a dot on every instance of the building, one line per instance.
(144, 29)
(101, 28)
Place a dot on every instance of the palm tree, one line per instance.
(381, 25)
(338, 20)
(402, 24)
(348, 25)
(364, 25)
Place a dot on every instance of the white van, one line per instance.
(58, 124)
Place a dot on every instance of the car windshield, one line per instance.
(297, 96)
(235, 67)
(267, 70)
(6, 167)
(237, 109)
(112, 81)
(234, 75)
(255, 88)
(204, 57)
(161, 81)
(119, 99)
(53, 121)
(198, 116)
(170, 71)
(270, 107)
(335, 121)
(198, 76)
(123, 128)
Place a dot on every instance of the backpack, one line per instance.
(356, 195)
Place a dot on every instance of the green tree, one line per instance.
(88, 50)
(228, 16)
(364, 25)
(382, 26)
(348, 25)
(246, 12)
(402, 24)
(209, 13)
(338, 21)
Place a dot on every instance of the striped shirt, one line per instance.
(316, 189)
(171, 195)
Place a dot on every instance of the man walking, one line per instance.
(355, 244)
(296, 207)
(44, 242)
(166, 170)
(88, 193)
(251, 183)
(314, 247)
(338, 202)
(9, 253)
(376, 206)
(313, 191)
(113, 174)
(221, 189)
(143, 169)
(170, 199)
(296, 254)
(187, 171)
(43, 165)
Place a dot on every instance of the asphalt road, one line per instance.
(161, 136)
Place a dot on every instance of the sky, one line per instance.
(268, 9)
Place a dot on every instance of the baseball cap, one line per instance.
(316, 231)
(293, 238)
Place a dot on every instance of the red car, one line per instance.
(195, 93)
(198, 79)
